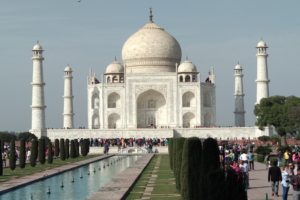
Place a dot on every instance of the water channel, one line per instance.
(77, 184)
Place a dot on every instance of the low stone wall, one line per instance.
(215, 132)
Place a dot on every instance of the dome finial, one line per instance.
(151, 15)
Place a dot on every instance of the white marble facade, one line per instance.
(151, 88)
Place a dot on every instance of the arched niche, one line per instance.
(207, 99)
(151, 109)
(95, 121)
(113, 121)
(188, 99)
(188, 119)
(95, 99)
(113, 100)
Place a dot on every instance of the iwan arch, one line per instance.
(152, 92)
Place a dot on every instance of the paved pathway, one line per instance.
(259, 185)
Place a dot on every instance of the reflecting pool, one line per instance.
(77, 184)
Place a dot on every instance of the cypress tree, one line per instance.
(67, 151)
(22, 157)
(211, 155)
(76, 148)
(72, 151)
(50, 153)
(170, 149)
(214, 179)
(211, 168)
(34, 152)
(56, 148)
(174, 155)
(62, 149)
(41, 149)
(1, 161)
(179, 147)
(87, 146)
(82, 147)
(190, 169)
(12, 155)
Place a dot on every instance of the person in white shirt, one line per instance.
(285, 182)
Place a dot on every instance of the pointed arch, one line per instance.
(188, 99)
(114, 100)
(188, 119)
(113, 121)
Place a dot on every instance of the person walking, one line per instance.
(285, 182)
(251, 160)
(295, 180)
(274, 176)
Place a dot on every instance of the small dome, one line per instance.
(238, 66)
(187, 66)
(37, 47)
(261, 44)
(114, 67)
(68, 69)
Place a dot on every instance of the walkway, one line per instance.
(259, 185)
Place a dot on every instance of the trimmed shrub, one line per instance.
(56, 147)
(62, 149)
(42, 149)
(87, 146)
(260, 158)
(174, 156)
(22, 157)
(264, 138)
(76, 148)
(67, 151)
(170, 149)
(210, 168)
(50, 153)
(179, 148)
(263, 150)
(190, 169)
(1, 161)
(34, 152)
(12, 155)
(72, 150)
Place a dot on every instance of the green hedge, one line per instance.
(56, 147)
(170, 149)
(12, 155)
(42, 149)
(22, 157)
(179, 149)
(62, 149)
(50, 153)
(190, 169)
(34, 152)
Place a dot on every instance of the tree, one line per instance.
(1, 161)
(7, 136)
(42, 149)
(211, 168)
(179, 148)
(12, 155)
(27, 136)
(22, 157)
(190, 169)
(67, 151)
(62, 149)
(170, 149)
(56, 148)
(264, 138)
(280, 112)
(50, 153)
(34, 152)
(76, 148)
(72, 150)
(174, 156)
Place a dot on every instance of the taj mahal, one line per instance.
(151, 92)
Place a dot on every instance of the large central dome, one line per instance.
(150, 50)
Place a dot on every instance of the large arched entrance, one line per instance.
(151, 110)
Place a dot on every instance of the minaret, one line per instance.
(68, 99)
(239, 111)
(38, 124)
(212, 76)
(262, 81)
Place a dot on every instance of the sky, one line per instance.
(90, 33)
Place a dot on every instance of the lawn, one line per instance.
(163, 186)
(9, 174)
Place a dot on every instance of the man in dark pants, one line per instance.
(274, 176)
